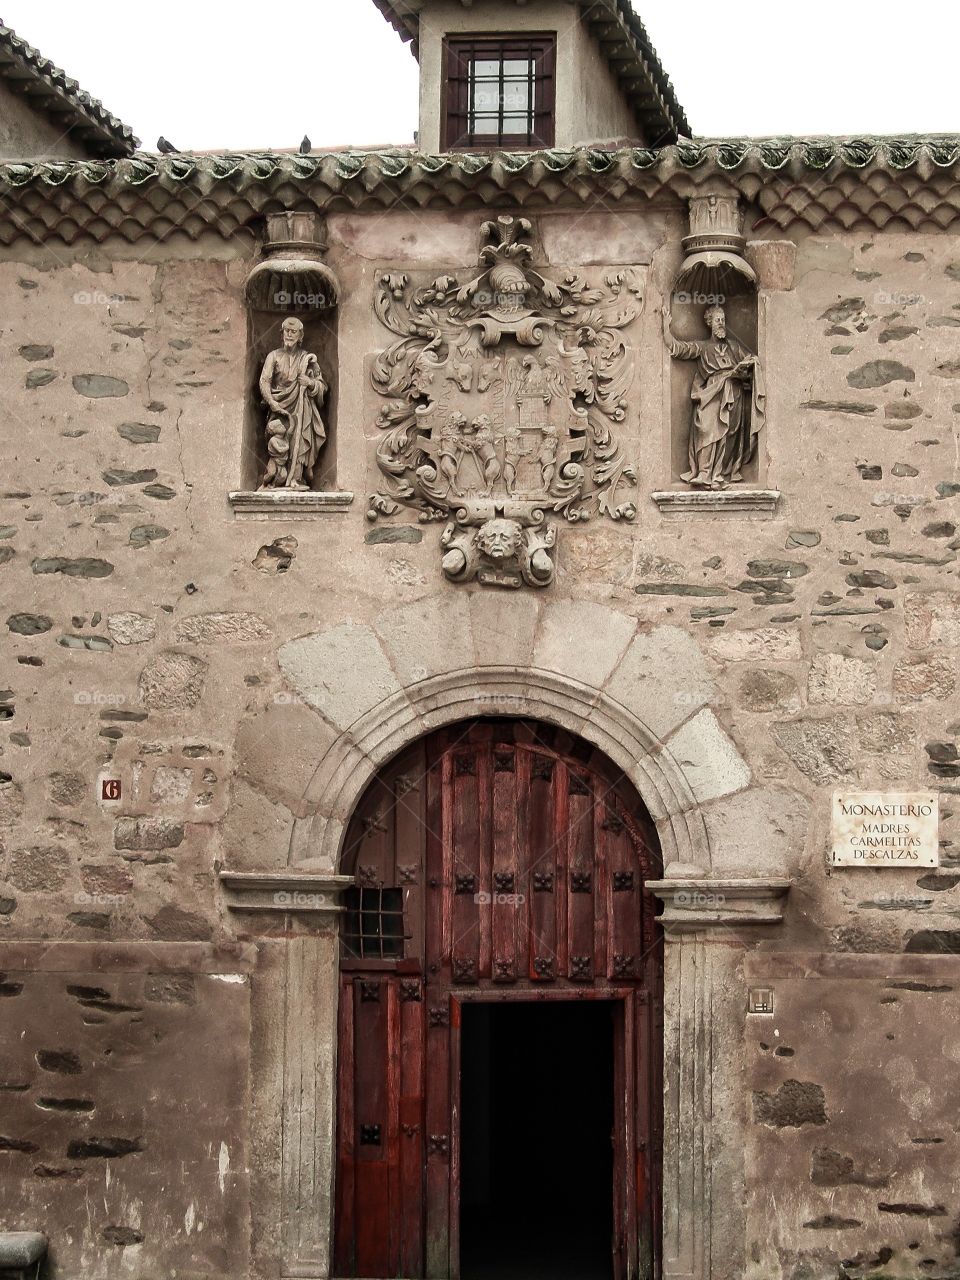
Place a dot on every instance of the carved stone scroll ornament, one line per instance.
(293, 389)
(501, 397)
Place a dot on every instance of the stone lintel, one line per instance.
(713, 502)
(288, 504)
(705, 902)
(292, 890)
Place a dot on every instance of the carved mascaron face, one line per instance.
(499, 539)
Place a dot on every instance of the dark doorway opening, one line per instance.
(537, 1118)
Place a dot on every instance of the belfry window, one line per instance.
(500, 91)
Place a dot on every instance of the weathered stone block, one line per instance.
(795, 1103)
(66, 789)
(172, 682)
(878, 373)
(147, 833)
(769, 644)
(109, 881)
(503, 627)
(257, 831)
(758, 831)
(41, 868)
(581, 640)
(11, 803)
(774, 261)
(116, 476)
(428, 638)
(708, 758)
(823, 750)
(170, 786)
(131, 628)
(661, 679)
(834, 678)
(932, 619)
(173, 924)
(363, 676)
(83, 567)
(918, 679)
(222, 628)
(139, 432)
(29, 624)
(881, 732)
(99, 385)
(263, 756)
(767, 689)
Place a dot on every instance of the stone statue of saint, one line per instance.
(293, 389)
(728, 402)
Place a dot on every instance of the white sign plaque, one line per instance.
(885, 829)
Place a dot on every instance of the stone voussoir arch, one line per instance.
(401, 719)
(641, 693)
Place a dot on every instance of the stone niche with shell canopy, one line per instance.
(291, 281)
(717, 403)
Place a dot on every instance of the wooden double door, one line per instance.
(500, 1021)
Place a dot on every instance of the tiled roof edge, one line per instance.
(88, 112)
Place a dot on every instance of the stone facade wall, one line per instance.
(125, 1094)
(154, 637)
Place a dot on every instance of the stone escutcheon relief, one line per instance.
(502, 395)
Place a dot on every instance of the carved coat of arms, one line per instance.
(502, 395)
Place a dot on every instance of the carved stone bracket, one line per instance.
(288, 891)
(483, 541)
(293, 277)
(714, 250)
(694, 901)
(714, 502)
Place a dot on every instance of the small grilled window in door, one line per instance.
(373, 923)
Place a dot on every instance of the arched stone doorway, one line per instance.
(376, 689)
(500, 1034)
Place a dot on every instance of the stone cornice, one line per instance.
(289, 890)
(792, 184)
(693, 903)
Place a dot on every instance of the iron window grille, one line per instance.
(373, 923)
(500, 91)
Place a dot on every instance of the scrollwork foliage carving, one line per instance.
(502, 394)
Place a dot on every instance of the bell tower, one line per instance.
(508, 75)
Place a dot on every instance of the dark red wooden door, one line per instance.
(497, 860)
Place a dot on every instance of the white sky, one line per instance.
(213, 75)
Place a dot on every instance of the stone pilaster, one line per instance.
(688, 1108)
(309, 1104)
(308, 903)
(703, 918)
